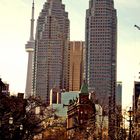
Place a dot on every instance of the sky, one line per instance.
(15, 29)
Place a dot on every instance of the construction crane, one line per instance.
(137, 27)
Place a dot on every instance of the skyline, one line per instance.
(17, 34)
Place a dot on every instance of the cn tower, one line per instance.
(29, 47)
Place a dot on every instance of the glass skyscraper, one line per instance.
(51, 50)
(101, 53)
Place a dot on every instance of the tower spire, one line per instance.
(32, 23)
(30, 50)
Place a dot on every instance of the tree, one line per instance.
(22, 119)
(55, 129)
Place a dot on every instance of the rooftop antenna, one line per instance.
(32, 23)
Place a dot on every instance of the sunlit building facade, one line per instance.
(76, 65)
(51, 50)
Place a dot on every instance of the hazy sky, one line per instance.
(14, 33)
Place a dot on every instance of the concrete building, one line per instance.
(101, 54)
(30, 50)
(119, 94)
(76, 65)
(119, 117)
(51, 50)
(55, 96)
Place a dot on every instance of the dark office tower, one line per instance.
(101, 52)
(51, 50)
(136, 96)
(119, 104)
(119, 94)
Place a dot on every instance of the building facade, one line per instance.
(51, 50)
(55, 96)
(136, 96)
(29, 47)
(136, 109)
(119, 117)
(101, 53)
(76, 65)
(81, 115)
(62, 106)
(119, 94)
(4, 88)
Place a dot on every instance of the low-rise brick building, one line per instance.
(81, 112)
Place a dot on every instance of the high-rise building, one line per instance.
(119, 94)
(136, 96)
(101, 53)
(119, 104)
(76, 65)
(51, 50)
(136, 109)
(30, 49)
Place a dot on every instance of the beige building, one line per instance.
(55, 96)
(76, 65)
